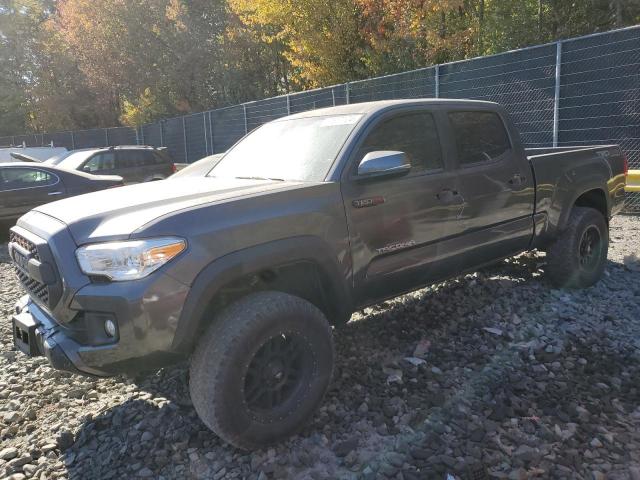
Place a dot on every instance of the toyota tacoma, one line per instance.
(245, 270)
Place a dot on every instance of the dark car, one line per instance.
(133, 163)
(304, 221)
(24, 186)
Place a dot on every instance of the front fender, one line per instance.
(252, 260)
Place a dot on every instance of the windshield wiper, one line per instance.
(261, 178)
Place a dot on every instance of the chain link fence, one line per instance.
(580, 91)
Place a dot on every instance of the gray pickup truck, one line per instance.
(245, 270)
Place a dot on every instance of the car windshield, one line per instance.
(73, 161)
(291, 149)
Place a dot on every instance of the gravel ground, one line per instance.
(490, 375)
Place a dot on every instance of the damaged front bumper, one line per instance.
(35, 334)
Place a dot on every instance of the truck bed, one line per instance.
(536, 152)
(556, 169)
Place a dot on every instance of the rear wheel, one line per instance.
(262, 368)
(578, 256)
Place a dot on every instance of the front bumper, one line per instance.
(64, 315)
(35, 334)
(146, 314)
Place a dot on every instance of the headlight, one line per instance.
(128, 260)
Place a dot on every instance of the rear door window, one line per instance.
(480, 136)
(17, 178)
(412, 133)
(136, 158)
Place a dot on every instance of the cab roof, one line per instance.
(369, 108)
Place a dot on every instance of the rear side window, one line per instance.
(414, 134)
(480, 136)
(16, 178)
(160, 159)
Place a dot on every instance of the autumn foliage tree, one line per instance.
(84, 63)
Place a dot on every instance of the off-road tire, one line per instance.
(564, 268)
(221, 362)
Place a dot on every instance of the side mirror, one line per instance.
(383, 163)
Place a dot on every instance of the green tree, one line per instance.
(320, 39)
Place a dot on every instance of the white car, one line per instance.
(37, 153)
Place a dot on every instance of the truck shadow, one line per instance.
(157, 432)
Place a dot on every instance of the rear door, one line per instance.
(136, 165)
(396, 224)
(495, 181)
(24, 188)
(128, 166)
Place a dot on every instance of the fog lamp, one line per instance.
(110, 327)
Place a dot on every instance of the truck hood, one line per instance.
(117, 213)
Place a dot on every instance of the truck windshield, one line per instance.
(291, 149)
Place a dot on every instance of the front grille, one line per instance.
(24, 243)
(33, 287)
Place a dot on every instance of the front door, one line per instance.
(102, 163)
(396, 224)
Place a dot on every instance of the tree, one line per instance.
(318, 38)
(18, 29)
(81, 63)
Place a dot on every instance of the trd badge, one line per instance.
(368, 202)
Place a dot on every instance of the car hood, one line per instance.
(117, 213)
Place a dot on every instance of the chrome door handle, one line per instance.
(447, 195)
(51, 194)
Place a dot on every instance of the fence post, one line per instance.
(42, 139)
(184, 140)
(244, 109)
(142, 135)
(204, 125)
(73, 141)
(347, 92)
(333, 96)
(556, 97)
(437, 86)
(213, 144)
(161, 124)
(106, 137)
(288, 104)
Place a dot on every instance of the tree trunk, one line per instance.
(616, 6)
(540, 21)
(481, 28)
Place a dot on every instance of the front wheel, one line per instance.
(578, 256)
(262, 368)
